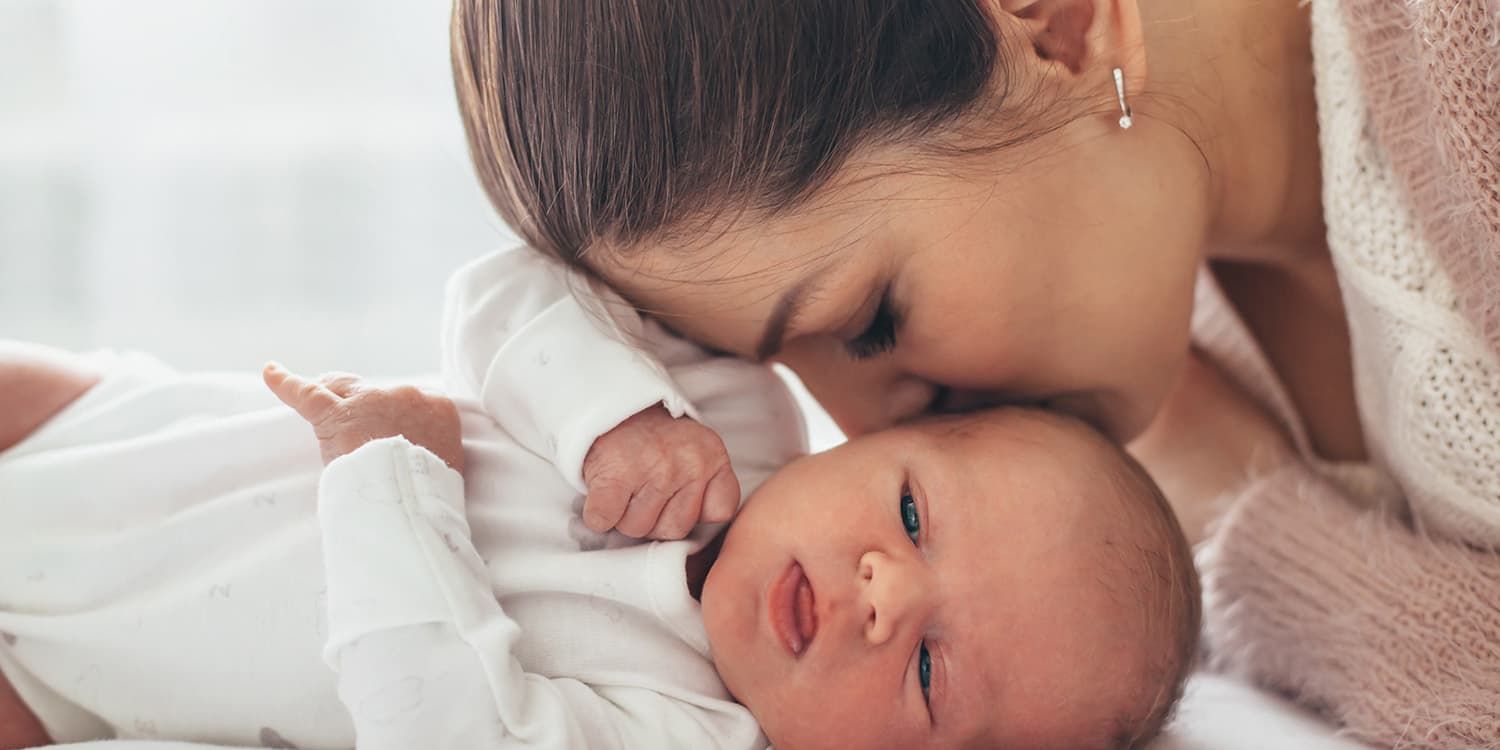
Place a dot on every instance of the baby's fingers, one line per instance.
(310, 399)
(646, 505)
(605, 505)
(342, 384)
(680, 515)
(722, 498)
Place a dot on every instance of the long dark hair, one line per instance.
(614, 121)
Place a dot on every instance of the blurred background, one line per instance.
(222, 182)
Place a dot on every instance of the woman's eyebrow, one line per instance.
(824, 267)
(783, 313)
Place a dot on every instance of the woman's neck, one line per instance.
(1237, 78)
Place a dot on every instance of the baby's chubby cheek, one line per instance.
(799, 706)
(833, 715)
(729, 610)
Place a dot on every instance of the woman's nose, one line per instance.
(893, 595)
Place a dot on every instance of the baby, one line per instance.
(177, 563)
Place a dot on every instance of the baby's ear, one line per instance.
(1082, 39)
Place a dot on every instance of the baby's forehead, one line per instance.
(1019, 522)
(1021, 426)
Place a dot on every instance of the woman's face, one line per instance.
(1059, 272)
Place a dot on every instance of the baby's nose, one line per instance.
(893, 594)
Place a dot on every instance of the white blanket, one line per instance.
(1217, 714)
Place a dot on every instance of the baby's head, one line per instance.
(1003, 579)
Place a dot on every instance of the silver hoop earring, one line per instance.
(1125, 116)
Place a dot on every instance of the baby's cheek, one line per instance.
(840, 708)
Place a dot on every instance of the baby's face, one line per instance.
(935, 586)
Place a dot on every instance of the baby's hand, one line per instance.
(345, 413)
(656, 476)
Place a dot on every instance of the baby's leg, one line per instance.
(18, 727)
(35, 384)
(160, 558)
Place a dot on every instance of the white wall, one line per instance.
(222, 182)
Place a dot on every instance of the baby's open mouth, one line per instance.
(791, 609)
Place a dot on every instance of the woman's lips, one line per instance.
(791, 610)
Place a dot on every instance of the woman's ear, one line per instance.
(1084, 37)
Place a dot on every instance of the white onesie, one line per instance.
(175, 563)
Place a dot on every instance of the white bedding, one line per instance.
(1217, 714)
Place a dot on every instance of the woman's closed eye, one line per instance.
(879, 336)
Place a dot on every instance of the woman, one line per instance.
(935, 206)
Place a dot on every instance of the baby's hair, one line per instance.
(1174, 589)
(603, 123)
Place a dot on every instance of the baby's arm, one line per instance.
(421, 646)
(36, 382)
(424, 651)
(558, 363)
(19, 728)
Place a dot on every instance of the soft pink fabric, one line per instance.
(1431, 72)
(1312, 585)
(1395, 636)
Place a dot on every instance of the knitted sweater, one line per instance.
(1372, 591)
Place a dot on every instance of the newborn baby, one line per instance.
(176, 563)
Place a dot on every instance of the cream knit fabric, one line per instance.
(1372, 591)
(1427, 378)
(1430, 70)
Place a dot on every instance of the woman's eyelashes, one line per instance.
(879, 336)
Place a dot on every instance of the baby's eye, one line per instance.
(924, 670)
(909, 517)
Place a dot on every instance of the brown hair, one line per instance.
(1171, 596)
(609, 122)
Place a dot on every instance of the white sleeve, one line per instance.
(420, 644)
(550, 356)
